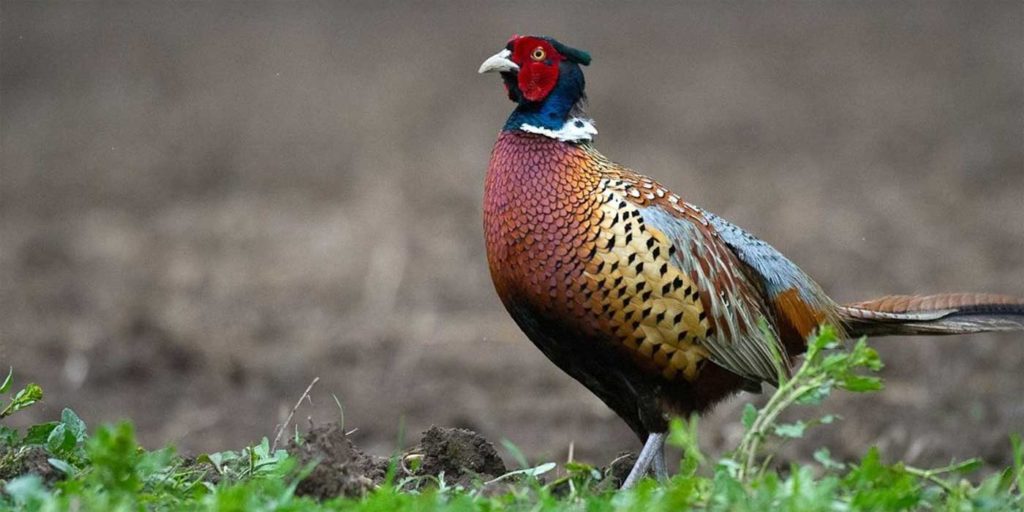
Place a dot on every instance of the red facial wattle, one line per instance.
(538, 66)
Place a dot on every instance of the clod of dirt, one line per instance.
(341, 470)
(463, 456)
(31, 460)
(617, 470)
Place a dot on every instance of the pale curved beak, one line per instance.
(499, 62)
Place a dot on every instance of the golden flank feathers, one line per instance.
(638, 294)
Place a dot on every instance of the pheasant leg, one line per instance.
(654, 449)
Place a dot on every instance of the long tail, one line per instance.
(946, 313)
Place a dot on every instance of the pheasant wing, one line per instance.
(672, 290)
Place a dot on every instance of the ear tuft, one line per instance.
(571, 54)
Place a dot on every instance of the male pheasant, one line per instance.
(651, 302)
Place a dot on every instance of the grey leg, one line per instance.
(654, 447)
(660, 468)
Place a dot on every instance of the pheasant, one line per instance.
(652, 303)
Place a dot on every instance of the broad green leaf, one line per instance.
(749, 415)
(824, 457)
(62, 466)
(38, 434)
(861, 383)
(815, 395)
(61, 441)
(791, 430)
(73, 423)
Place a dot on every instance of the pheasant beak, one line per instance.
(499, 62)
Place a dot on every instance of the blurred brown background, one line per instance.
(203, 206)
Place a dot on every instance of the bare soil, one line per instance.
(341, 468)
(454, 456)
(28, 461)
(203, 206)
(458, 456)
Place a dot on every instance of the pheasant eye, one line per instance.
(538, 54)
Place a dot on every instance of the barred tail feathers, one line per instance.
(946, 313)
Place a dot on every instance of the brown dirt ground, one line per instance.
(205, 206)
(340, 468)
(28, 461)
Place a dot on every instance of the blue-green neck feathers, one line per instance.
(553, 111)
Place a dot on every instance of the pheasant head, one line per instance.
(543, 77)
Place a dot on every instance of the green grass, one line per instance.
(107, 470)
